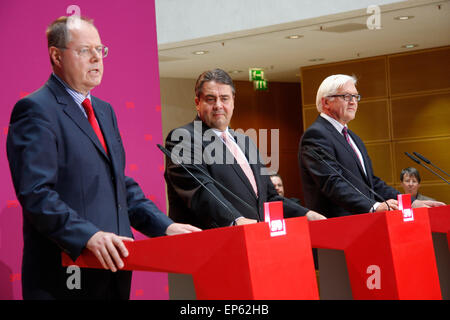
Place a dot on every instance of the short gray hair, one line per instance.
(330, 86)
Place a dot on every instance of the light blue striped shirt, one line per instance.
(77, 97)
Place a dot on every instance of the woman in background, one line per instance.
(410, 181)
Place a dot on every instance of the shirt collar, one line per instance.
(219, 133)
(336, 124)
(77, 96)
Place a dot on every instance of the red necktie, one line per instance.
(91, 117)
(241, 160)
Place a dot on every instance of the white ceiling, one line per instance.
(281, 58)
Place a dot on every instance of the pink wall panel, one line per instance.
(130, 84)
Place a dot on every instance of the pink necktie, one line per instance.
(241, 160)
(345, 132)
(91, 117)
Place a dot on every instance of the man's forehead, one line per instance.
(84, 31)
(212, 88)
(348, 87)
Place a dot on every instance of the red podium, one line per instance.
(240, 262)
(440, 228)
(380, 256)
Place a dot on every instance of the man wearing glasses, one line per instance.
(332, 158)
(67, 164)
(328, 141)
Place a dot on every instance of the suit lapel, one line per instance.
(227, 155)
(364, 155)
(105, 126)
(74, 113)
(243, 146)
(341, 139)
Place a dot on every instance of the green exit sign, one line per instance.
(255, 74)
(260, 84)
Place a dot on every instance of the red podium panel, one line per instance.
(440, 220)
(386, 257)
(440, 228)
(240, 262)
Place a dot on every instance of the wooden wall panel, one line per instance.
(309, 116)
(245, 113)
(377, 114)
(405, 106)
(421, 71)
(426, 115)
(381, 156)
(371, 75)
(277, 108)
(436, 150)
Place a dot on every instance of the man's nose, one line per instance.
(218, 104)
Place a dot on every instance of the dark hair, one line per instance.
(410, 171)
(217, 75)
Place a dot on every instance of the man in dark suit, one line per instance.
(211, 150)
(329, 140)
(67, 164)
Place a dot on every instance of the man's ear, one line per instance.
(55, 56)
(324, 103)
(197, 101)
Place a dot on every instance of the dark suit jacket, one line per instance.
(69, 188)
(323, 189)
(189, 202)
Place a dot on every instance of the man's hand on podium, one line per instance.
(108, 248)
(312, 215)
(242, 221)
(179, 228)
(426, 203)
(393, 205)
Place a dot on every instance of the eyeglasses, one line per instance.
(347, 97)
(85, 52)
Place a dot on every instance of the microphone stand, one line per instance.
(319, 157)
(426, 167)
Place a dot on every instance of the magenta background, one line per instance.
(130, 83)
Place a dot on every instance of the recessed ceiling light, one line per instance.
(294, 36)
(316, 59)
(403, 17)
(200, 52)
(235, 71)
(410, 45)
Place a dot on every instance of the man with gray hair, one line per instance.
(328, 146)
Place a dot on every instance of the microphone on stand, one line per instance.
(425, 166)
(177, 160)
(317, 156)
(429, 162)
(352, 174)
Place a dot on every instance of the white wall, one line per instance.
(177, 103)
